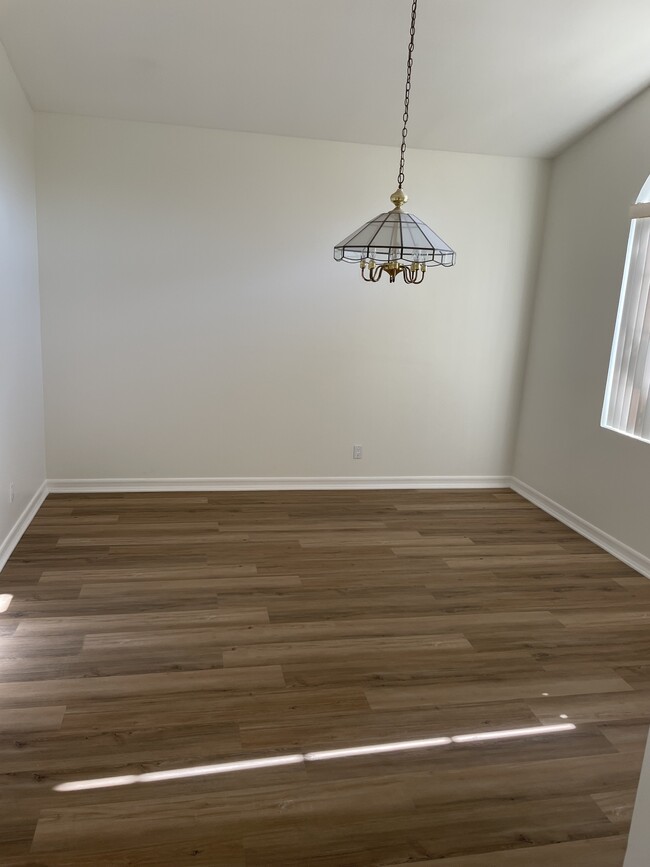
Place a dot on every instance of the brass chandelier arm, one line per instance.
(374, 272)
(413, 273)
(414, 277)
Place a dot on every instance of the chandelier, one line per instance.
(396, 242)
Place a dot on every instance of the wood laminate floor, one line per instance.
(153, 634)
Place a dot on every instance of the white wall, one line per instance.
(562, 451)
(22, 455)
(196, 325)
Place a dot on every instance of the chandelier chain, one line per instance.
(407, 96)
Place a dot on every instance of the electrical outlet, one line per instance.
(12, 492)
(357, 452)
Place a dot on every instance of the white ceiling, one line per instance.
(519, 77)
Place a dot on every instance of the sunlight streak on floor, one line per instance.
(299, 758)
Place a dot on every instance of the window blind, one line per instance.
(627, 397)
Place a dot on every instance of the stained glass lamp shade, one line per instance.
(395, 243)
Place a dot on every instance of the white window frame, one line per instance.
(626, 408)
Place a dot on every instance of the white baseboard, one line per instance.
(274, 483)
(619, 550)
(13, 537)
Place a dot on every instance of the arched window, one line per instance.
(627, 396)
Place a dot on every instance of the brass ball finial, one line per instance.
(399, 198)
